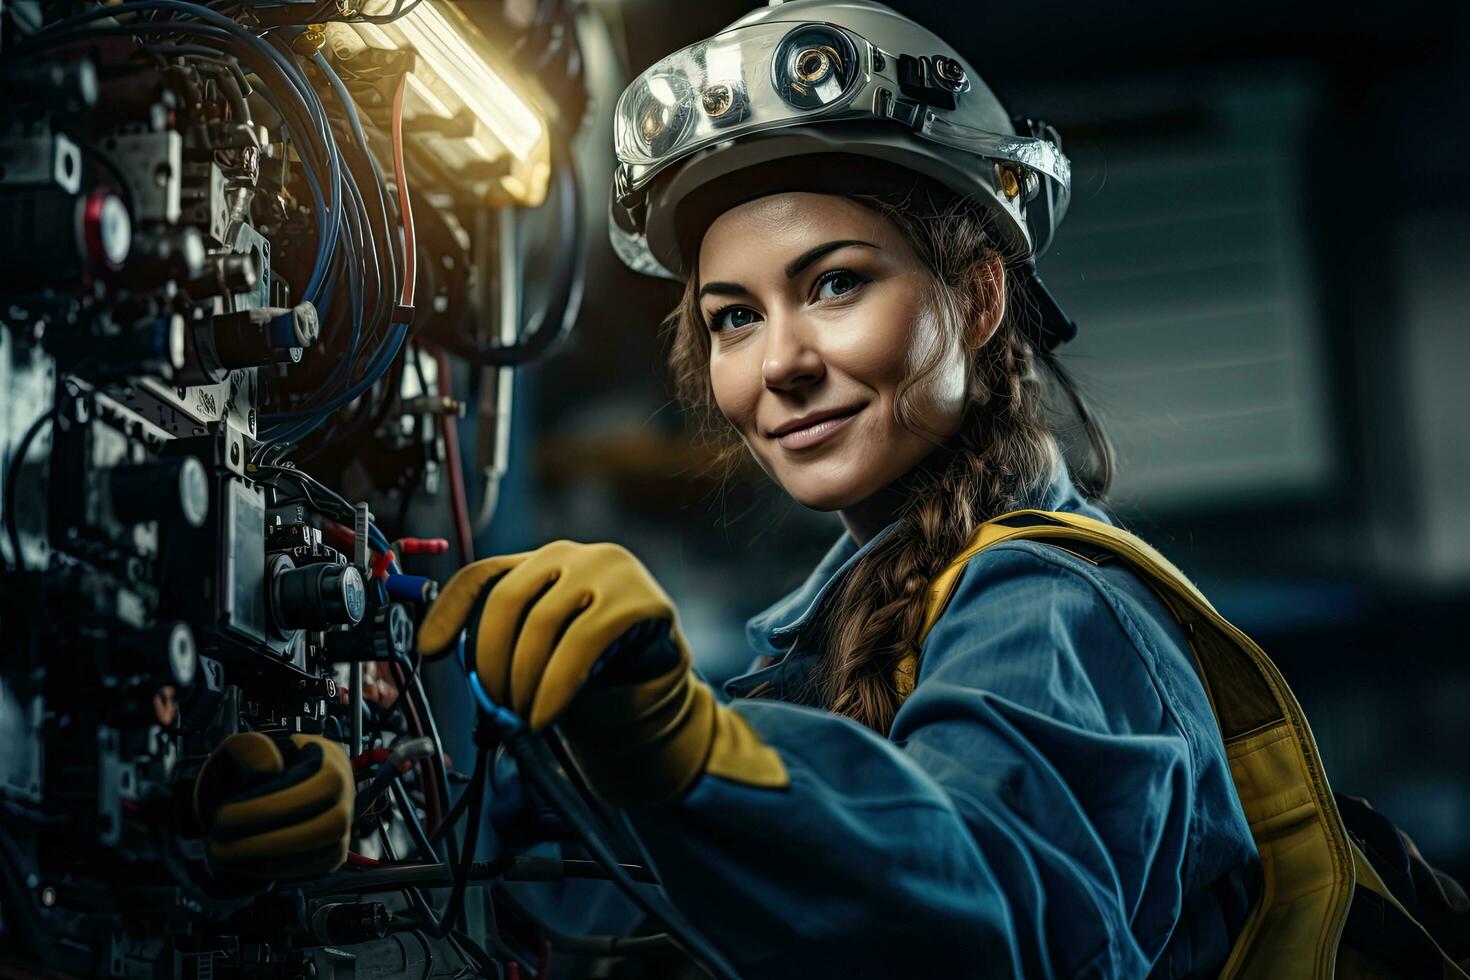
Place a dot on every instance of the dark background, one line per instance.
(1268, 252)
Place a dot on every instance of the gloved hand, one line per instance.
(276, 809)
(539, 624)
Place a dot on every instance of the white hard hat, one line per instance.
(829, 95)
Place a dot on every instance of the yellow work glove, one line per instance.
(276, 809)
(539, 624)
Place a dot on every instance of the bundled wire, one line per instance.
(281, 13)
(541, 770)
(342, 385)
(353, 234)
(284, 86)
(403, 752)
(441, 923)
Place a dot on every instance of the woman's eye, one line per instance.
(838, 283)
(732, 318)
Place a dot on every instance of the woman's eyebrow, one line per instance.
(797, 265)
(722, 289)
(794, 268)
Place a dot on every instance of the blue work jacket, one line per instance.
(1053, 799)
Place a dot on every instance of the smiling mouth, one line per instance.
(818, 432)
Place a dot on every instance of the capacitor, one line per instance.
(50, 237)
(386, 636)
(168, 490)
(343, 923)
(165, 655)
(314, 597)
(172, 490)
(64, 85)
(224, 275)
(268, 335)
(164, 254)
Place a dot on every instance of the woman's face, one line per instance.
(817, 316)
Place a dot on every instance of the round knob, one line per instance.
(107, 230)
(168, 490)
(167, 654)
(341, 923)
(388, 635)
(266, 335)
(314, 597)
(160, 256)
(224, 275)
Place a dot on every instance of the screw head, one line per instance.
(717, 100)
(951, 73)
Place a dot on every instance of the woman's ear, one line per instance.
(987, 286)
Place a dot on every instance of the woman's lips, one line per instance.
(816, 433)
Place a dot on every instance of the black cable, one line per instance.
(455, 909)
(539, 767)
(23, 923)
(411, 894)
(606, 945)
(387, 779)
(433, 726)
(440, 924)
(554, 322)
(415, 826)
(480, 959)
(446, 823)
(310, 483)
(437, 875)
(428, 953)
(12, 473)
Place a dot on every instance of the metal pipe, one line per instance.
(360, 520)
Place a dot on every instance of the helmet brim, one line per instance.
(832, 158)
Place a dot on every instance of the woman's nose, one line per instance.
(790, 360)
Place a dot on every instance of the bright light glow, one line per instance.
(660, 89)
(431, 101)
(489, 96)
(723, 63)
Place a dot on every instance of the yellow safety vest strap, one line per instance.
(1306, 859)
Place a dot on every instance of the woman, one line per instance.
(1035, 784)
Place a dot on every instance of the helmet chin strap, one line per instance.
(1053, 326)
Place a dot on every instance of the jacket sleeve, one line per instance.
(1028, 816)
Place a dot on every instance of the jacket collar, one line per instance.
(772, 632)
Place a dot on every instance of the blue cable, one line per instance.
(507, 723)
(306, 420)
(216, 28)
(326, 243)
(330, 210)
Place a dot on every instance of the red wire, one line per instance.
(410, 263)
(405, 207)
(456, 469)
(433, 806)
(381, 561)
(421, 546)
(370, 758)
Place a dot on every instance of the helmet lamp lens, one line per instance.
(814, 66)
(662, 114)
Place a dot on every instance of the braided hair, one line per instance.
(1003, 451)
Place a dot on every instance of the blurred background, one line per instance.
(1268, 254)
